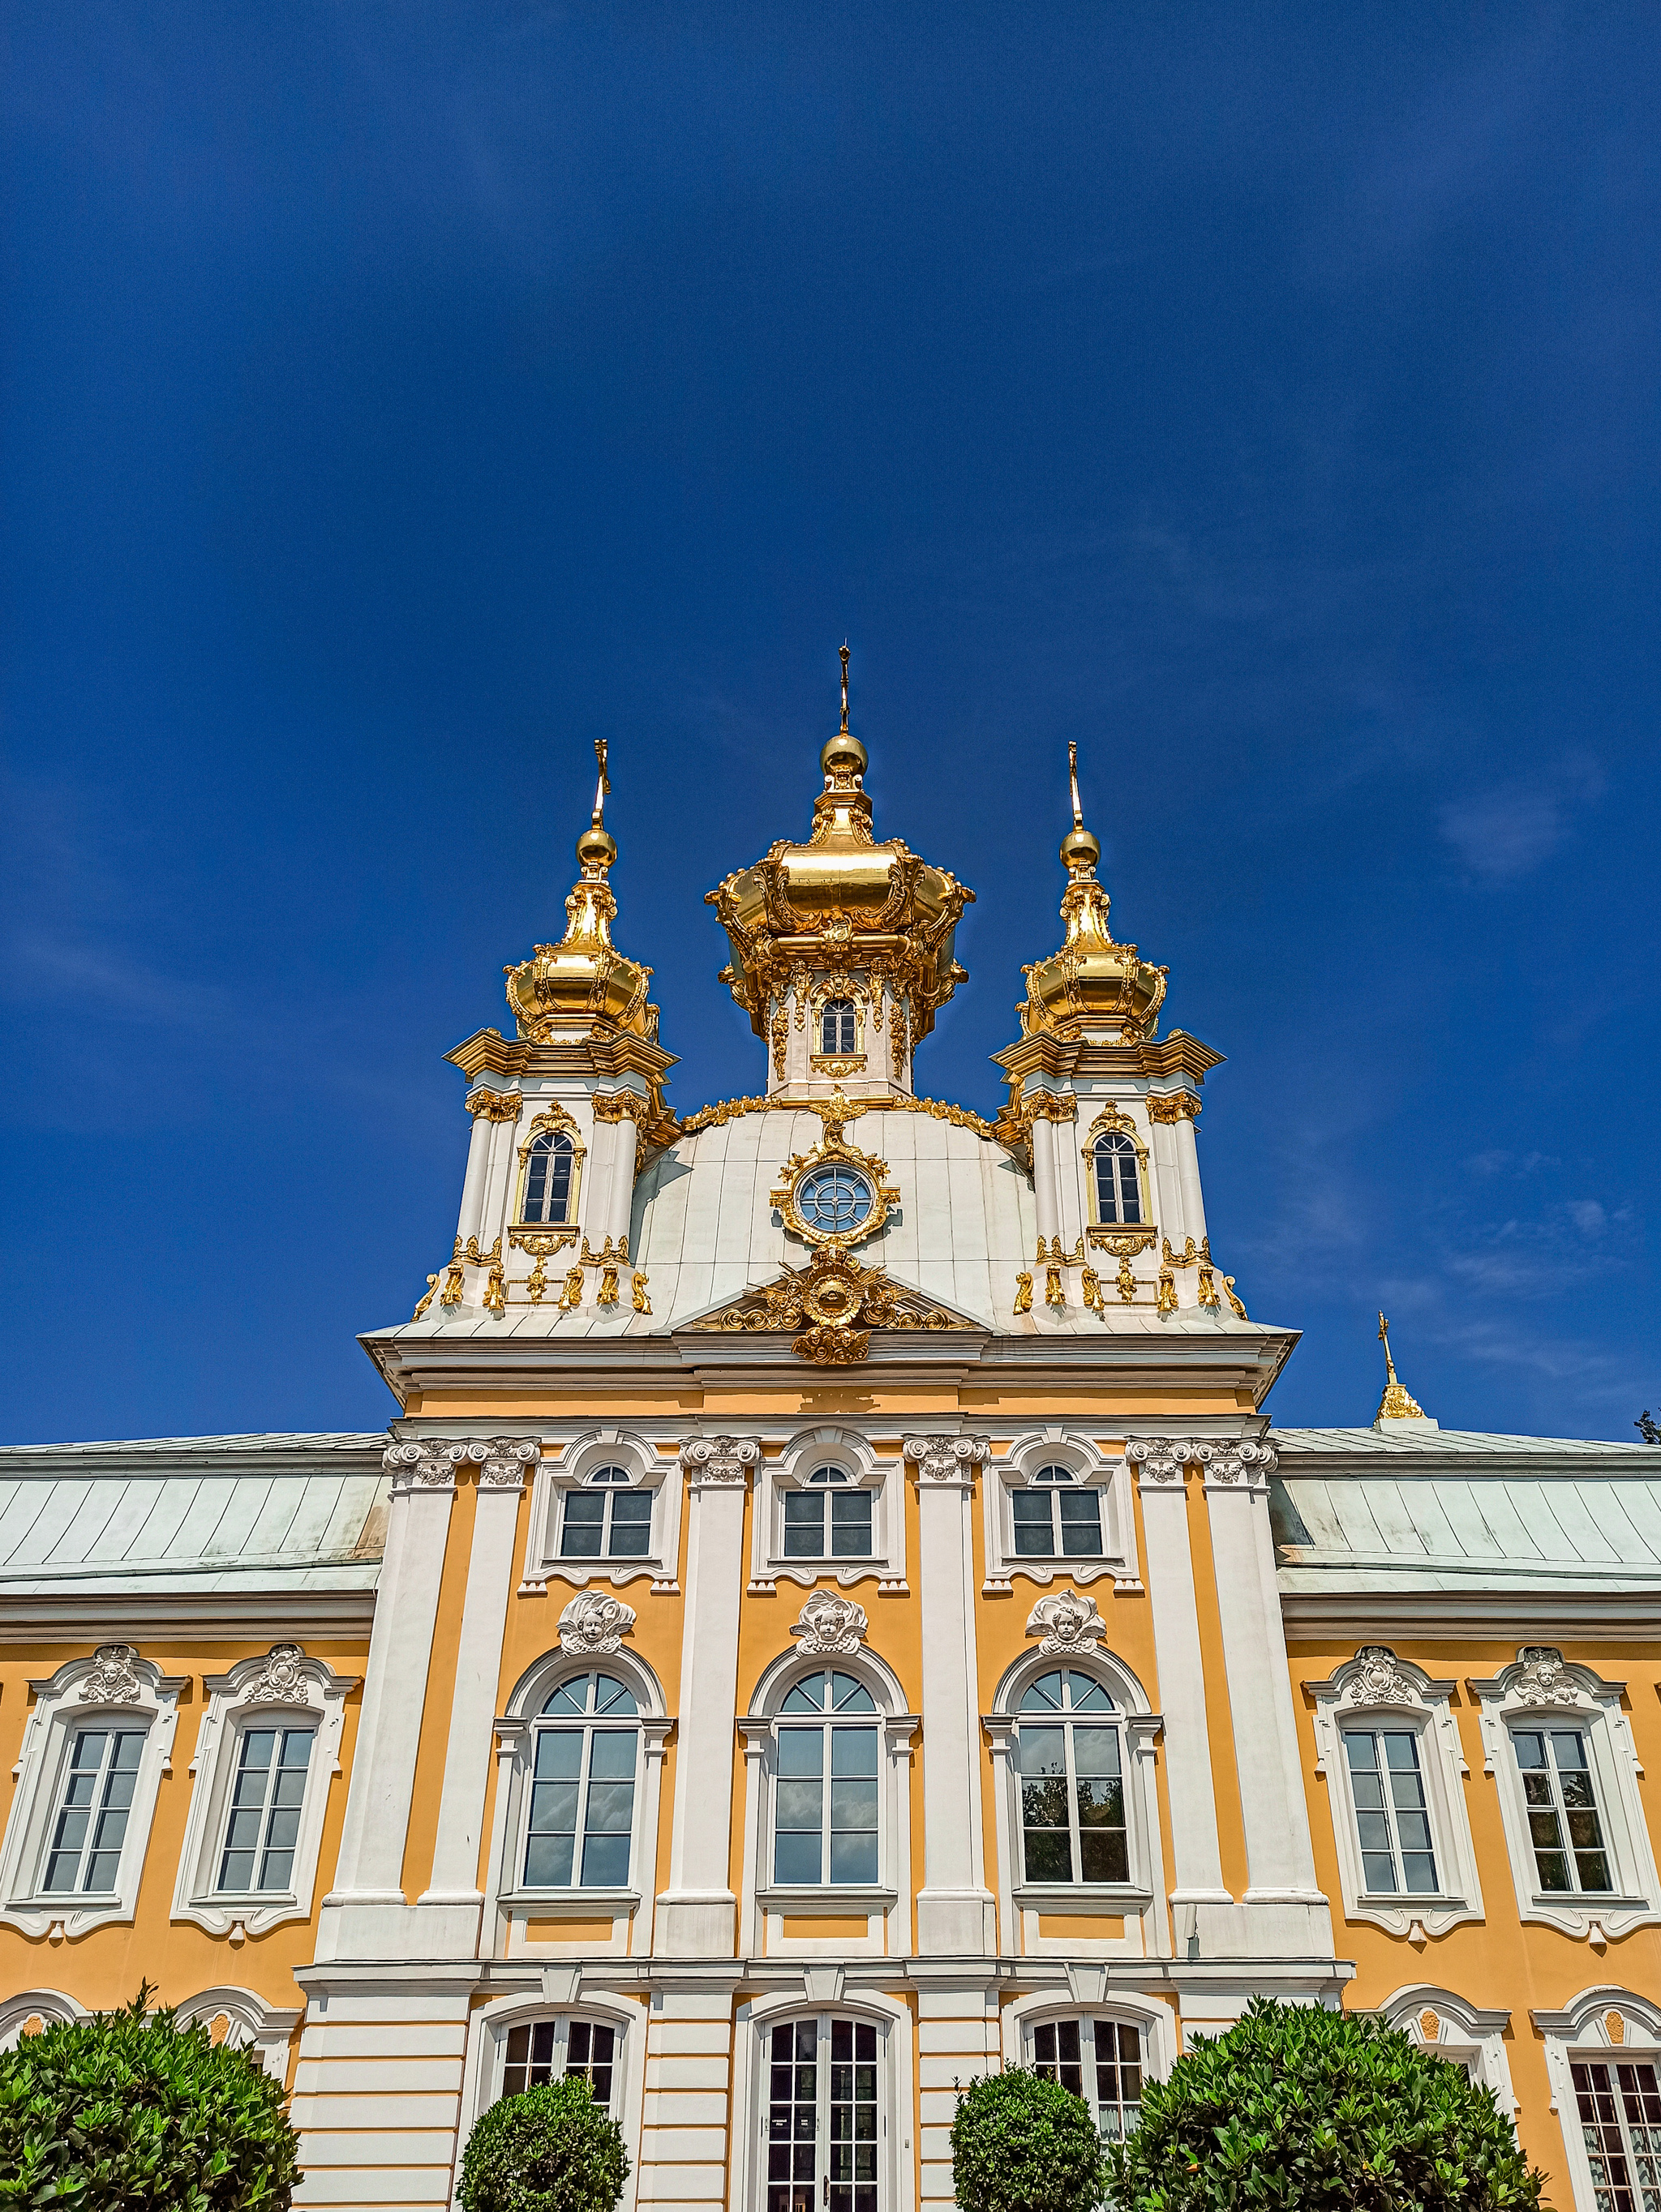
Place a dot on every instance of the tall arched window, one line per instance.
(540, 2050)
(1073, 1810)
(1118, 1189)
(824, 1823)
(548, 1170)
(839, 1026)
(582, 1788)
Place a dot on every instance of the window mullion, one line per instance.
(1077, 1841)
(824, 1816)
(578, 1841)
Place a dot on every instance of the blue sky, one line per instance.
(395, 397)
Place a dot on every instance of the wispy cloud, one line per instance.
(1503, 833)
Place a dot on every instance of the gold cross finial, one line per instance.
(603, 785)
(844, 687)
(1073, 777)
(1383, 1338)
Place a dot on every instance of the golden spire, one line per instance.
(844, 687)
(596, 847)
(843, 759)
(1397, 1403)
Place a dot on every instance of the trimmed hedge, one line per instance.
(122, 2110)
(1020, 2143)
(551, 2149)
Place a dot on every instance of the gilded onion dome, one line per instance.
(583, 983)
(844, 901)
(1091, 988)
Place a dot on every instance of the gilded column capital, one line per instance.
(622, 1106)
(495, 1105)
(1173, 1106)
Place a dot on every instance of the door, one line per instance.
(823, 2127)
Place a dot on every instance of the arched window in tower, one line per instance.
(1118, 1190)
(838, 1027)
(548, 1170)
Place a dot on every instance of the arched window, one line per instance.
(1118, 1189)
(825, 1825)
(1057, 1518)
(839, 1026)
(831, 1519)
(1099, 2060)
(582, 1789)
(540, 2050)
(548, 1170)
(1071, 1781)
(607, 1519)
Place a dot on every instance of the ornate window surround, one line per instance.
(568, 1470)
(1113, 1121)
(551, 1117)
(591, 1629)
(1377, 1688)
(279, 1686)
(1055, 1444)
(835, 1447)
(1087, 1992)
(822, 1990)
(250, 2023)
(49, 2007)
(110, 1686)
(1072, 1634)
(558, 1993)
(1542, 1688)
(1588, 2028)
(829, 989)
(832, 1631)
(1461, 2033)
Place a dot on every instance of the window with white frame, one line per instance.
(95, 1745)
(262, 1826)
(1388, 1742)
(581, 1809)
(828, 1518)
(1618, 2104)
(608, 1518)
(1056, 1517)
(1071, 1782)
(825, 1823)
(839, 1031)
(1559, 1744)
(1117, 1183)
(550, 1178)
(535, 2051)
(822, 2117)
(1099, 2059)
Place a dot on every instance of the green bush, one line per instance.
(1022, 2145)
(552, 2149)
(119, 2112)
(1297, 2107)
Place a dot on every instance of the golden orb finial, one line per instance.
(596, 846)
(1079, 850)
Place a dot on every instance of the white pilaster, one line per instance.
(369, 1870)
(697, 1914)
(1043, 1181)
(501, 1461)
(1168, 1209)
(957, 1916)
(1188, 1176)
(472, 1186)
(1279, 1858)
(625, 1146)
(1169, 1572)
(497, 1179)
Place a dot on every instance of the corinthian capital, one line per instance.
(719, 1460)
(947, 1459)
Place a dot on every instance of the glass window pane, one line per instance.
(1081, 1525)
(804, 1525)
(584, 1524)
(850, 1525)
(1034, 1524)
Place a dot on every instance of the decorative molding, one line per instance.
(1161, 1459)
(1237, 1459)
(1377, 1678)
(834, 1303)
(947, 1459)
(111, 1680)
(553, 1116)
(282, 1681)
(1173, 1106)
(1541, 1679)
(720, 1460)
(961, 1117)
(830, 1624)
(543, 1243)
(593, 1624)
(1068, 1621)
(495, 1105)
(418, 1465)
(624, 1106)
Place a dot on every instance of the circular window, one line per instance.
(834, 1199)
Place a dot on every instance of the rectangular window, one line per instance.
(1073, 1821)
(1106, 2052)
(91, 1822)
(533, 2055)
(583, 1786)
(606, 1525)
(264, 1823)
(808, 1846)
(1392, 1817)
(827, 1524)
(1620, 2112)
(1564, 1827)
(1057, 1523)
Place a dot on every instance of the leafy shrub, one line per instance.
(120, 2111)
(1022, 2145)
(1297, 2107)
(552, 2149)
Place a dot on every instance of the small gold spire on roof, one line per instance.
(844, 687)
(1397, 1403)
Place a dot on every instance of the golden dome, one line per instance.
(1091, 988)
(583, 983)
(841, 900)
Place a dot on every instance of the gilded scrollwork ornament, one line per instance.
(1023, 1292)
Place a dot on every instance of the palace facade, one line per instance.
(832, 1614)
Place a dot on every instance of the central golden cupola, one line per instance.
(842, 946)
